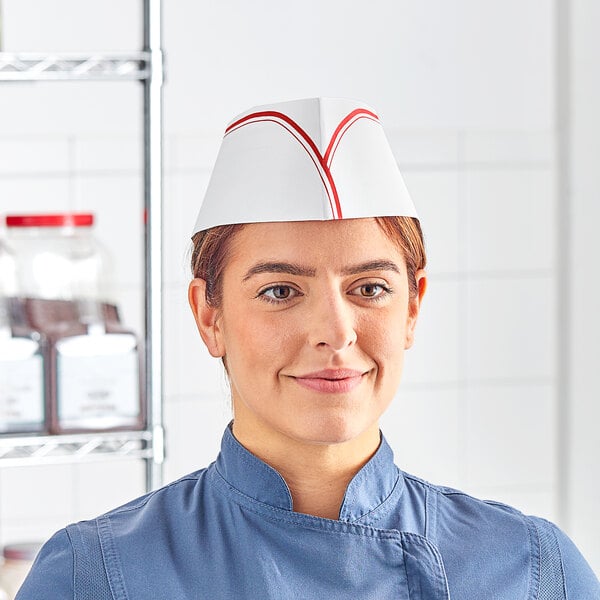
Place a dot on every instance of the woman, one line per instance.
(308, 277)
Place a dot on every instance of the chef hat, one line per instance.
(305, 160)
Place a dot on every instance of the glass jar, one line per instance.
(22, 377)
(63, 277)
(17, 562)
(58, 257)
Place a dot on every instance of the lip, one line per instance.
(331, 381)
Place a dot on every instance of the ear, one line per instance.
(207, 318)
(414, 306)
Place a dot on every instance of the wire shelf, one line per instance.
(57, 449)
(61, 67)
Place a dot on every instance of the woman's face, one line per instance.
(313, 326)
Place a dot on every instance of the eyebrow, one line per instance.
(279, 267)
(372, 265)
(299, 270)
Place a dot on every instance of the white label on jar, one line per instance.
(97, 381)
(21, 393)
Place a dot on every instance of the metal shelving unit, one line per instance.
(145, 66)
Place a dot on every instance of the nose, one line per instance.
(332, 323)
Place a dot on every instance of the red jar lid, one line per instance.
(51, 220)
(24, 551)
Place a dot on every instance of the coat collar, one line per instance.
(367, 490)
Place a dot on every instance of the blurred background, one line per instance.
(492, 112)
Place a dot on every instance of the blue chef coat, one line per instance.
(229, 532)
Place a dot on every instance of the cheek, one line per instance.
(383, 335)
(253, 340)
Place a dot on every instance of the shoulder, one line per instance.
(73, 559)
(491, 538)
(474, 534)
(175, 493)
(455, 509)
(51, 576)
(150, 518)
(561, 560)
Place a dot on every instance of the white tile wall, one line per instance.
(198, 152)
(423, 427)
(441, 65)
(71, 25)
(424, 149)
(194, 427)
(20, 155)
(53, 483)
(434, 357)
(35, 502)
(34, 194)
(533, 148)
(100, 486)
(110, 154)
(510, 328)
(510, 220)
(73, 108)
(511, 436)
(504, 63)
(471, 121)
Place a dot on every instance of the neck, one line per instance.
(317, 474)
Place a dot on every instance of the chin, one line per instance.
(324, 431)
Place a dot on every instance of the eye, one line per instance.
(371, 290)
(278, 293)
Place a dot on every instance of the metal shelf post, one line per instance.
(153, 187)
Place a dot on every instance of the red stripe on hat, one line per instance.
(269, 115)
(345, 123)
(312, 150)
(323, 160)
(315, 159)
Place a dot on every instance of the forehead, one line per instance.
(330, 243)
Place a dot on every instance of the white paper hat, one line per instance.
(305, 160)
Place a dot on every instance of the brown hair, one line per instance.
(406, 233)
(210, 251)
